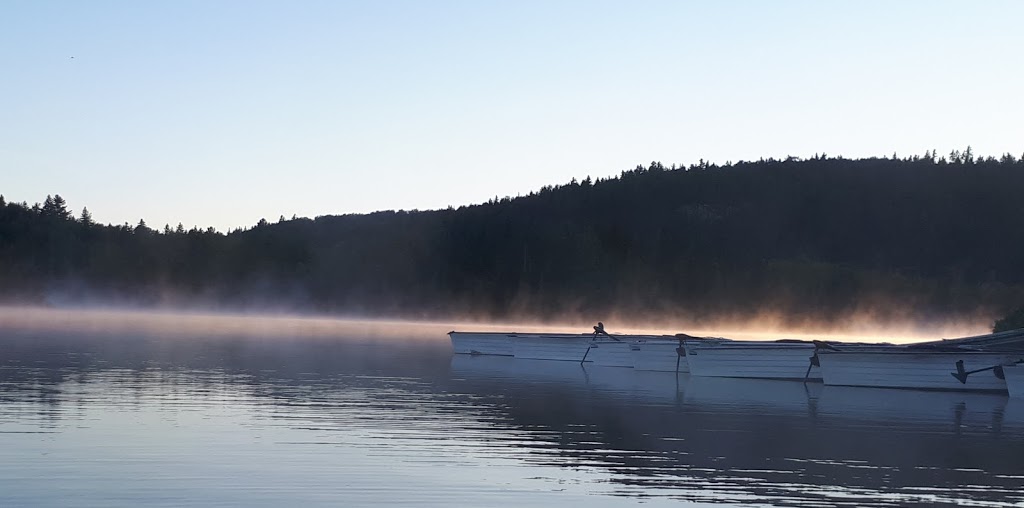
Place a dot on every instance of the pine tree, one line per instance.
(86, 217)
(55, 207)
(1012, 321)
(61, 207)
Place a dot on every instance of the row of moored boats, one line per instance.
(993, 362)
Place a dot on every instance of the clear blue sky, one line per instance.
(222, 112)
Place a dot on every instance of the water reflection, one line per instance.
(121, 421)
(774, 441)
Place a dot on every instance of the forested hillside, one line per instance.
(810, 239)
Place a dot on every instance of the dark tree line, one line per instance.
(809, 239)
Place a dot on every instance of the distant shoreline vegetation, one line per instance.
(802, 240)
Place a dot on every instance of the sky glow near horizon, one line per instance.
(222, 113)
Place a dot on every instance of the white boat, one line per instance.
(584, 348)
(659, 354)
(596, 348)
(1015, 380)
(752, 359)
(481, 343)
(915, 367)
(575, 347)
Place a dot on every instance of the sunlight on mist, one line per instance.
(180, 324)
(197, 324)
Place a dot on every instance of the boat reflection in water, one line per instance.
(762, 441)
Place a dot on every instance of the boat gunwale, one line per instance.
(734, 347)
(920, 352)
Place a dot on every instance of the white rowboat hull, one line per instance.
(761, 360)
(570, 348)
(929, 370)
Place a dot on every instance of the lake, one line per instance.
(315, 414)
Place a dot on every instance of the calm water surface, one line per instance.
(383, 419)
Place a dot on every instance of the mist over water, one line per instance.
(113, 408)
(176, 323)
